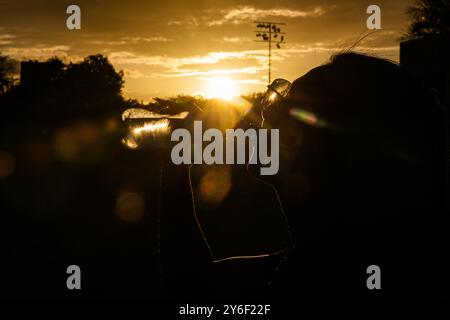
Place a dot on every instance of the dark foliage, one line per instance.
(428, 17)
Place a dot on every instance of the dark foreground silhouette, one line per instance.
(367, 189)
(368, 186)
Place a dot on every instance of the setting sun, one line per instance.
(223, 88)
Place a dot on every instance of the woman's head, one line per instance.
(358, 118)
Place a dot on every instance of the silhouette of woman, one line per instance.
(361, 178)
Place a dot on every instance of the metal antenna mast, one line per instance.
(270, 32)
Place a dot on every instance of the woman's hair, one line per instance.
(393, 131)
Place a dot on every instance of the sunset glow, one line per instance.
(223, 159)
(222, 88)
(195, 47)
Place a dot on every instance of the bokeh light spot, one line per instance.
(130, 206)
(215, 185)
(7, 164)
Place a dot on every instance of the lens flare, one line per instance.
(308, 117)
(130, 143)
(272, 96)
(139, 113)
(159, 127)
(152, 133)
(215, 186)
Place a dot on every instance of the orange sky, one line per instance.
(175, 47)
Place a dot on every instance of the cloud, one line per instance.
(189, 22)
(147, 39)
(6, 39)
(245, 14)
(40, 52)
(247, 70)
(237, 39)
(252, 81)
(134, 74)
(130, 40)
(130, 58)
(194, 65)
(191, 66)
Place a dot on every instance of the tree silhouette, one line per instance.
(429, 17)
(6, 70)
(93, 83)
(54, 92)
